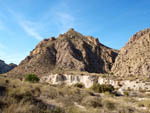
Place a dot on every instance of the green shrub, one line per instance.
(6, 81)
(79, 85)
(32, 78)
(102, 88)
(126, 93)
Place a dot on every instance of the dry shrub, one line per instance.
(109, 105)
(91, 101)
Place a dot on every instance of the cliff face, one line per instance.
(134, 58)
(5, 67)
(70, 51)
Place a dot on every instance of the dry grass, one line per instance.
(25, 97)
(144, 103)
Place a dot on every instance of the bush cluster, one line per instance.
(102, 88)
(126, 93)
(32, 78)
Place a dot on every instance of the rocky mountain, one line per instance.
(6, 67)
(69, 51)
(134, 58)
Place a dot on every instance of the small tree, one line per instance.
(32, 78)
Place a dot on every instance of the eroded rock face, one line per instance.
(5, 67)
(88, 81)
(70, 51)
(69, 79)
(134, 58)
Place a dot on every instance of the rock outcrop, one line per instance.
(70, 51)
(133, 60)
(6, 67)
(69, 79)
(89, 80)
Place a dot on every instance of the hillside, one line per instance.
(69, 51)
(134, 58)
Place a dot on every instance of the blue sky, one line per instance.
(23, 23)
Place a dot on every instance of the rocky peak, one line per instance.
(71, 31)
(138, 35)
(70, 51)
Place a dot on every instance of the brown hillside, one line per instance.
(70, 51)
(134, 58)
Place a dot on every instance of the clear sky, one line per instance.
(23, 23)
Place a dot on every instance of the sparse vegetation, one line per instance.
(92, 101)
(109, 105)
(26, 97)
(144, 103)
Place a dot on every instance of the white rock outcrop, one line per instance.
(135, 85)
(70, 79)
(88, 81)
